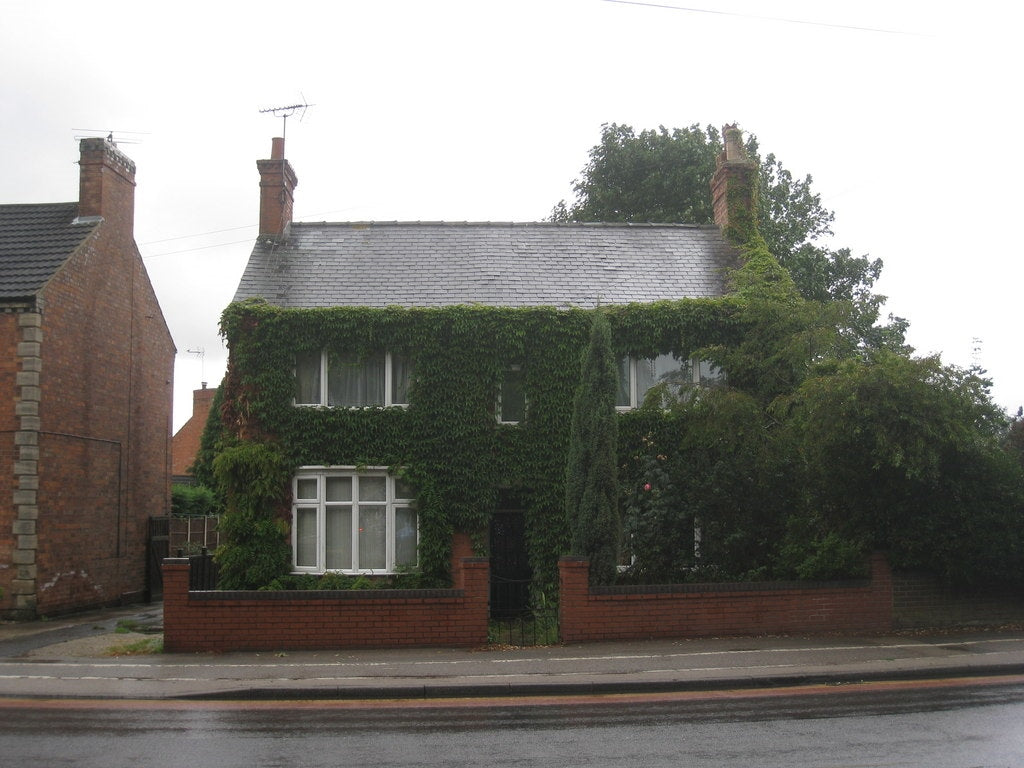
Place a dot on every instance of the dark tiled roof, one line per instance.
(35, 240)
(441, 264)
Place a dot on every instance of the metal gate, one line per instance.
(516, 618)
(203, 573)
(510, 568)
(158, 548)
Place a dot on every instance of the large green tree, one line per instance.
(905, 454)
(1014, 439)
(664, 176)
(812, 458)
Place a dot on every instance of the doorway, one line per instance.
(511, 574)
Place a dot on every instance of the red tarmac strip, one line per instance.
(504, 701)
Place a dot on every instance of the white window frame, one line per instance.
(389, 386)
(320, 504)
(501, 387)
(698, 368)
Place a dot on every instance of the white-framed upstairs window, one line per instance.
(637, 376)
(512, 396)
(348, 380)
(353, 521)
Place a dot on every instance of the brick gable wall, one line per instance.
(86, 428)
(104, 445)
(185, 444)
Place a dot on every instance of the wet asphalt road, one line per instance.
(876, 725)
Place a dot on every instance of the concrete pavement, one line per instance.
(68, 657)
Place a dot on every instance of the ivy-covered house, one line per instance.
(393, 385)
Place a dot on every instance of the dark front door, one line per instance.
(510, 568)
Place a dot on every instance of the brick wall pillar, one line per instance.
(882, 591)
(474, 578)
(462, 547)
(176, 579)
(573, 593)
(881, 573)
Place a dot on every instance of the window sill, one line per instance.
(318, 406)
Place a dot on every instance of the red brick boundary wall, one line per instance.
(322, 620)
(705, 610)
(922, 600)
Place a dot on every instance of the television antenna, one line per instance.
(977, 345)
(200, 352)
(286, 112)
(115, 137)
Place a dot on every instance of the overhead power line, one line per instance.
(218, 231)
(761, 18)
(201, 234)
(197, 248)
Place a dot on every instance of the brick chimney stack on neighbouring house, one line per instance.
(185, 443)
(734, 184)
(106, 184)
(277, 191)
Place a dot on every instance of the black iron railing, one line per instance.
(515, 619)
(202, 575)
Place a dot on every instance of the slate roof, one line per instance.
(35, 240)
(419, 264)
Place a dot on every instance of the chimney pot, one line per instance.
(733, 137)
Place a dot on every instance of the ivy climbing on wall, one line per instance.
(448, 441)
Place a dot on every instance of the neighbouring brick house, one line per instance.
(419, 377)
(185, 443)
(86, 373)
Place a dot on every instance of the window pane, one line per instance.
(711, 374)
(675, 373)
(664, 369)
(307, 378)
(404, 489)
(339, 537)
(305, 537)
(372, 532)
(513, 399)
(354, 382)
(339, 489)
(622, 393)
(305, 488)
(405, 536)
(645, 378)
(373, 488)
(401, 370)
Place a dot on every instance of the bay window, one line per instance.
(354, 521)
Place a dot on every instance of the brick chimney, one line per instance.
(185, 443)
(106, 185)
(277, 191)
(734, 185)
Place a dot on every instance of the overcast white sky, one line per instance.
(905, 113)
